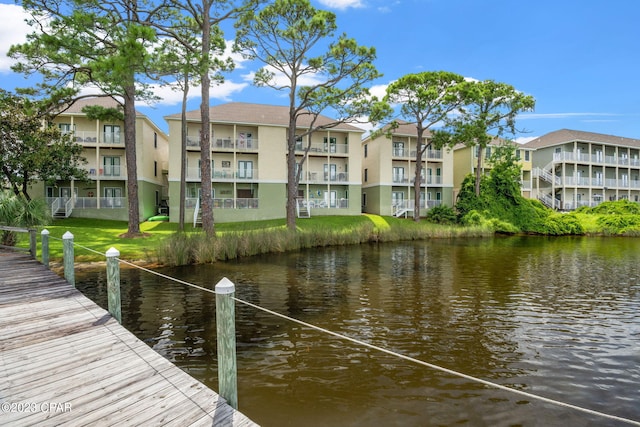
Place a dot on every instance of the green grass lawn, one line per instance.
(100, 235)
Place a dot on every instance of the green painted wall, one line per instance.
(147, 199)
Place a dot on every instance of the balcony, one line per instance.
(597, 158)
(226, 203)
(225, 174)
(325, 204)
(411, 155)
(324, 148)
(323, 177)
(225, 144)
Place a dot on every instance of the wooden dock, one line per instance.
(66, 361)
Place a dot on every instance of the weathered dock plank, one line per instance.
(66, 361)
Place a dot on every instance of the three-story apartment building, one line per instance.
(105, 194)
(388, 173)
(466, 162)
(249, 164)
(575, 168)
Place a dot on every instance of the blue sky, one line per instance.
(578, 59)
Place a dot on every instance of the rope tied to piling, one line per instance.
(383, 350)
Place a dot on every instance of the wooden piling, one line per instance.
(226, 328)
(44, 234)
(32, 242)
(113, 284)
(68, 258)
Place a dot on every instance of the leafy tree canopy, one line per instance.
(317, 71)
(30, 151)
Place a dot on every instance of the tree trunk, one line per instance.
(183, 154)
(130, 156)
(292, 184)
(417, 182)
(205, 137)
(479, 170)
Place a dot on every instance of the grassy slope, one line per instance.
(100, 235)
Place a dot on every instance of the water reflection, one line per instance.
(559, 317)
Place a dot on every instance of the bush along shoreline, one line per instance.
(198, 248)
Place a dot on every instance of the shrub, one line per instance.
(18, 212)
(441, 215)
(619, 224)
(561, 224)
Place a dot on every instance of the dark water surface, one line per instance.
(558, 317)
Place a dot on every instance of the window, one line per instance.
(364, 200)
(366, 175)
(398, 174)
(111, 166)
(155, 168)
(245, 140)
(113, 197)
(245, 169)
(597, 178)
(64, 127)
(155, 140)
(488, 152)
(331, 198)
(526, 156)
(398, 148)
(299, 143)
(330, 172)
(366, 150)
(111, 134)
(332, 145)
(517, 154)
(397, 198)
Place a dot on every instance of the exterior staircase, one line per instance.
(403, 208)
(197, 215)
(61, 207)
(303, 210)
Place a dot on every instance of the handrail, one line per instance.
(32, 238)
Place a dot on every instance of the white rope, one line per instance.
(440, 368)
(389, 352)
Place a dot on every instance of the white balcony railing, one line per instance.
(323, 148)
(194, 173)
(240, 144)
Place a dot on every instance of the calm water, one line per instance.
(555, 317)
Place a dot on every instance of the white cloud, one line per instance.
(524, 139)
(237, 57)
(379, 91)
(341, 4)
(13, 30)
(169, 95)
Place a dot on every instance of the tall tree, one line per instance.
(295, 42)
(31, 152)
(425, 99)
(490, 111)
(180, 55)
(205, 17)
(101, 43)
